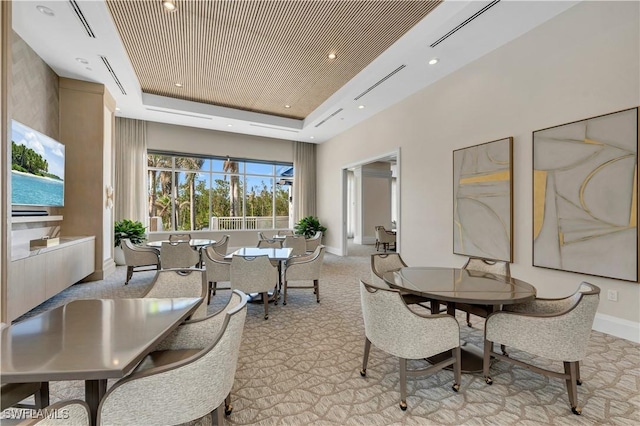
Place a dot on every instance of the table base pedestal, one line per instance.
(471, 358)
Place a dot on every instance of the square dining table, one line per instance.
(91, 340)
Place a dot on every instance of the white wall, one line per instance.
(583, 63)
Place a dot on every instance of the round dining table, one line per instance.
(463, 286)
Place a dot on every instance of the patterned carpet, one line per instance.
(302, 366)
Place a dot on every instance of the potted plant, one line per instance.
(308, 226)
(133, 230)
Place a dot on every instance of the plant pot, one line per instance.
(118, 256)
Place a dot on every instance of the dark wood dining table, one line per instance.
(454, 285)
(91, 340)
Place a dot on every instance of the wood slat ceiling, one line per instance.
(259, 55)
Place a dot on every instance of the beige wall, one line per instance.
(583, 63)
(169, 137)
(376, 199)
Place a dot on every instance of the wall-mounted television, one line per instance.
(37, 168)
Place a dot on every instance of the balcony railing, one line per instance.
(251, 222)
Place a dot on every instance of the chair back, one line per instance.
(297, 243)
(314, 242)
(253, 274)
(305, 267)
(138, 256)
(261, 236)
(270, 244)
(498, 267)
(179, 237)
(391, 326)
(285, 232)
(170, 283)
(218, 269)
(381, 263)
(185, 390)
(178, 255)
(221, 245)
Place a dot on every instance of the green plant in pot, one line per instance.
(132, 229)
(308, 226)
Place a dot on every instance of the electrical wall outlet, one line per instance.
(612, 295)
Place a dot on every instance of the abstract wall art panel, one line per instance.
(482, 200)
(585, 196)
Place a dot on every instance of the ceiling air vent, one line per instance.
(274, 128)
(329, 117)
(81, 18)
(178, 113)
(382, 80)
(466, 21)
(113, 74)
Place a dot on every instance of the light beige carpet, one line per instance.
(302, 366)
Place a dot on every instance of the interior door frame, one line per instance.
(345, 196)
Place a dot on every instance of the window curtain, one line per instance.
(304, 180)
(130, 194)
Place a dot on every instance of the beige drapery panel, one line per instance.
(130, 168)
(304, 180)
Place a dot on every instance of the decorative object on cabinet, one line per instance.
(483, 200)
(585, 196)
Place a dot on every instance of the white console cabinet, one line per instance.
(45, 272)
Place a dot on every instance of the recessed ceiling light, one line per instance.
(89, 69)
(311, 137)
(229, 125)
(82, 61)
(287, 106)
(178, 84)
(169, 5)
(331, 55)
(434, 61)
(45, 10)
(117, 109)
(360, 106)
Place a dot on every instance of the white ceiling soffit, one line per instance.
(64, 40)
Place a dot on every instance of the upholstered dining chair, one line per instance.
(218, 269)
(304, 268)
(139, 258)
(297, 243)
(169, 283)
(63, 413)
(381, 263)
(179, 237)
(397, 330)
(269, 243)
(254, 275)
(496, 267)
(261, 236)
(555, 329)
(385, 238)
(190, 374)
(178, 255)
(314, 242)
(285, 232)
(220, 246)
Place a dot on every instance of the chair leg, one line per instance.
(457, 369)
(42, 396)
(265, 298)
(228, 408)
(209, 290)
(403, 384)
(503, 348)
(316, 286)
(486, 361)
(129, 274)
(215, 287)
(572, 388)
(578, 381)
(365, 358)
(220, 414)
(284, 302)
(468, 319)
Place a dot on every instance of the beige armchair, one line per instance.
(555, 329)
(174, 238)
(394, 328)
(385, 238)
(269, 243)
(221, 245)
(254, 275)
(496, 267)
(297, 243)
(178, 255)
(304, 268)
(314, 242)
(64, 413)
(190, 374)
(139, 258)
(169, 283)
(218, 269)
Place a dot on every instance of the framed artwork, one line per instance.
(482, 200)
(585, 196)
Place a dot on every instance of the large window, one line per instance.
(188, 193)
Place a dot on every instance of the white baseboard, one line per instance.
(618, 327)
(333, 250)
